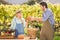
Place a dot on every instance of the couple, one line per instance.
(47, 31)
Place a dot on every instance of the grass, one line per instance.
(57, 38)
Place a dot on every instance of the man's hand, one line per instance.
(33, 18)
(39, 19)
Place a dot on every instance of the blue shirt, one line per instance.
(48, 15)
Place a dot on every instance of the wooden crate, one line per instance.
(12, 38)
(6, 37)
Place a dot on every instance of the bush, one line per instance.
(7, 12)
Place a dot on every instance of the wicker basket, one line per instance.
(32, 32)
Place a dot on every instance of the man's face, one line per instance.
(42, 7)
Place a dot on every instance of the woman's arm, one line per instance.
(13, 24)
(24, 22)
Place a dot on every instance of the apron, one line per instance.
(19, 29)
(47, 31)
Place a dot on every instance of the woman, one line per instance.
(18, 24)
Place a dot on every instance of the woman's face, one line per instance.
(19, 15)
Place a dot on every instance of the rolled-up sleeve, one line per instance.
(46, 15)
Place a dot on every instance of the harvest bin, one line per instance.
(32, 32)
(7, 34)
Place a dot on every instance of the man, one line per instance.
(47, 31)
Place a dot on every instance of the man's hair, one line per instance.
(44, 4)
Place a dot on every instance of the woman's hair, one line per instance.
(18, 12)
(44, 4)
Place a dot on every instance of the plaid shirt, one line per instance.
(48, 15)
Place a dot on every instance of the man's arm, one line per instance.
(40, 19)
(37, 19)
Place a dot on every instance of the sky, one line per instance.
(16, 1)
(23, 1)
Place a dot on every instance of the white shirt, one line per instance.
(17, 20)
